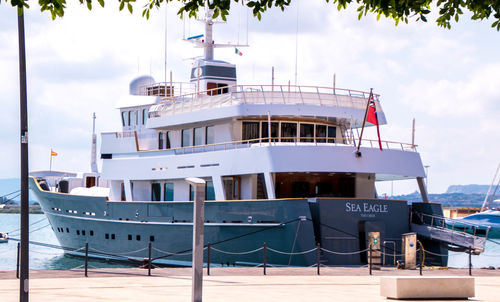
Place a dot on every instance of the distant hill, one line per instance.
(468, 189)
(447, 199)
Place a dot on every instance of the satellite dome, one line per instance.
(139, 85)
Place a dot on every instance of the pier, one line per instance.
(227, 284)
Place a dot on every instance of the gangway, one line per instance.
(437, 228)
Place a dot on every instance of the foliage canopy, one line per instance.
(398, 10)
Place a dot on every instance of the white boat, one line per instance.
(4, 237)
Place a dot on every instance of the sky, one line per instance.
(447, 80)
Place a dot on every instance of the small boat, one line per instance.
(485, 224)
(4, 237)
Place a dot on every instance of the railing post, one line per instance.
(470, 261)
(370, 259)
(208, 259)
(150, 246)
(265, 250)
(421, 260)
(86, 259)
(318, 256)
(17, 263)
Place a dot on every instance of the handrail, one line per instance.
(275, 141)
(262, 94)
(444, 220)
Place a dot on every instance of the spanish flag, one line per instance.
(52, 153)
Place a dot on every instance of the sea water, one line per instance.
(42, 257)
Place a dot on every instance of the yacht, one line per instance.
(283, 165)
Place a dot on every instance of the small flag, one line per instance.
(52, 153)
(372, 117)
(238, 52)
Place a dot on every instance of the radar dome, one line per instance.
(138, 85)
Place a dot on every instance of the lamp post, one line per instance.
(198, 230)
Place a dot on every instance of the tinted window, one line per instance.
(210, 135)
(124, 118)
(144, 116)
(155, 192)
(274, 130)
(288, 132)
(332, 133)
(186, 138)
(306, 130)
(168, 192)
(198, 136)
(209, 190)
(250, 130)
(321, 132)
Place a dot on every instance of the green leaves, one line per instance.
(398, 10)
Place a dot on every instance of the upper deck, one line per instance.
(261, 100)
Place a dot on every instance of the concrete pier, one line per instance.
(226, 284)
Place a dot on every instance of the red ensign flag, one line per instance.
(371, 117)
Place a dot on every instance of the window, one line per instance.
(124, 118)
(160, 140)
(209, 190)
(129, 237)
(187, 140)
(144, 116)
(155, 191)
(138, 237)
(332, 133)
(83, 232)
(306, 130)
(209, 135)
(91, 233)
(191, 192)
(113, 236)
(78, 232)
(133, 118)
(106, 236)
(198, 136)
(128, 120)
(123, 198)
(321, 132)
(168, 192)
(167, 140)
(274, 130)
(250, 131)
(67, 230)
(288, 132)
(152, 238)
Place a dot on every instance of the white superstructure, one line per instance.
(247, 141)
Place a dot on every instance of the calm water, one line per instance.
(50, 258)
(40, 257)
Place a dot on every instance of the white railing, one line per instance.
(286, 141)
(263, 94)
(168, 89)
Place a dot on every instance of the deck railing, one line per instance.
(286, 141)
(263, 94)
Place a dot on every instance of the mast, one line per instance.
(209, 46)
(93, 162)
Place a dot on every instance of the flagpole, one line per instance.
(358, 154)
(50, 167)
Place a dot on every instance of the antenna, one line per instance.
(93, 161)
(166, 13)
(297, 42)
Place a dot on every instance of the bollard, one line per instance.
(370, 260)
(470, 261)
(265, 249)
(208, 259)
(149, 258)
(86, 258)
(17, 265)
(318, 256)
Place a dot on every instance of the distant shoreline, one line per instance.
(17, 210)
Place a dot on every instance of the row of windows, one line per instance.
(106, 236)
(189, 137)
(285, 131)
(133, 117)
(168, 191)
